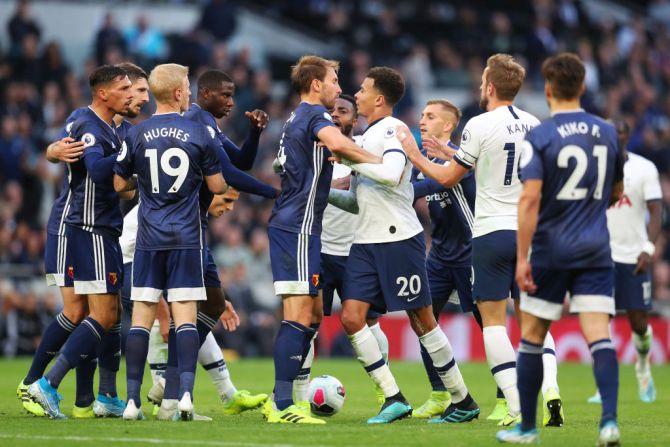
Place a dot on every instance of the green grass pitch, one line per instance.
(641, 424)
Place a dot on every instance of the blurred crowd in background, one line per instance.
(436, 44)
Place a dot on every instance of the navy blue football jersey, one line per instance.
(170, 155)
(306, 172)
(94, 206)
(576, 156)
(451, 216)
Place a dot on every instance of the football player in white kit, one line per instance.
(386, 267)
(490, 145)
(633, 243)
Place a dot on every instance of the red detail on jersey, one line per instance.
(319, 397)
(624, 200)
(70, 272)
(316, 279)
(113, 277)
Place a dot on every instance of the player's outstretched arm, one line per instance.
(343, 147)
(346, 200)
(529, 208)
(448, 176)
(216, 184)
(121, 184)
(388, 172)
(66, 150)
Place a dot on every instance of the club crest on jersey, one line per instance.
(113, 277)
(316, 279)
(390, 133)
(70, 272)
(211, 131)
(88, 139)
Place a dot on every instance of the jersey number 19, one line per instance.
(180, 171)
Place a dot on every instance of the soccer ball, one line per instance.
(326, 395)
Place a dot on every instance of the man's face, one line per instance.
(223, 203)
(140, 92)
(366, 97)
(220, 101)
(344, 116)
(330, 89)
(623, 134)
(118, 95)
(184, 97)
(484, 97)
(435, 121)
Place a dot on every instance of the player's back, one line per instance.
(170, 155)
(491, 143)
(576, 156)
(306, 172)
(386, 213)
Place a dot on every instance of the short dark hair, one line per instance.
(388, 82)
(350, 99)
(309, 68)
(133, 71)
(105, 74)
(212, 79)
(565, 74)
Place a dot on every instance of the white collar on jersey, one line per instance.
(579, 109)
(167, 113)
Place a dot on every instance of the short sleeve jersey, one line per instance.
(490, 144)
(576, 156)
(170, 155)
(626, 219)
(305, 172)
(94, 206)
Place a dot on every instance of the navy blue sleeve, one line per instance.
(100, 168)
(241, 181)
(124, 160)
(243, 158)
(426, 187)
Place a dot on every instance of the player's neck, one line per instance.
(494, 103)
(103, 112)
(163, 108)
(118, 119)
(378, 114)
(563, 106)
(311, 98)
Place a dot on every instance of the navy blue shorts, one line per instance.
(332, 279)
(444, 281)
(590, 291)
(54, 261)
(296, 262)
(94, 262)
(390, 276)
(631, 292)
(211, 270)
(180, 273)
(494, 265)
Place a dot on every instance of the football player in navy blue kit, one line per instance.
(172, 157)
(295, 225)
(449, 262)
(572, 170)
(93, 225)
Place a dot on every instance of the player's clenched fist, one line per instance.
(258, 118)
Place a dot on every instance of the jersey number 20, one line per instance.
(570, 190)
(180, 171)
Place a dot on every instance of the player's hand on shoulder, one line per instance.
(66, 150)
(407, 140)
(258, 118)
(436, 148)
(524, 276)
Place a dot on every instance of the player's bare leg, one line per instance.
(500, 354)
(75, 309)
(462, 408)
(642, 340)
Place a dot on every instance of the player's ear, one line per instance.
(547, 90)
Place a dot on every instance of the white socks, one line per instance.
(437, 345)
(642, 346)
(382, 341)
(502, 361)
(370, 356)
(550, 379)
(157, 355)
(211, 358)
(301, 382)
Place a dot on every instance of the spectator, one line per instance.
(108, 38)
(22, 25)
(146, 43)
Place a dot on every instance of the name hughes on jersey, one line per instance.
(578, 128)
(171, 132)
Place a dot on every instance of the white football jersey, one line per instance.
(626, 220)
(491, 143)
(129, 234)
(337, 225)
(385, 213)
